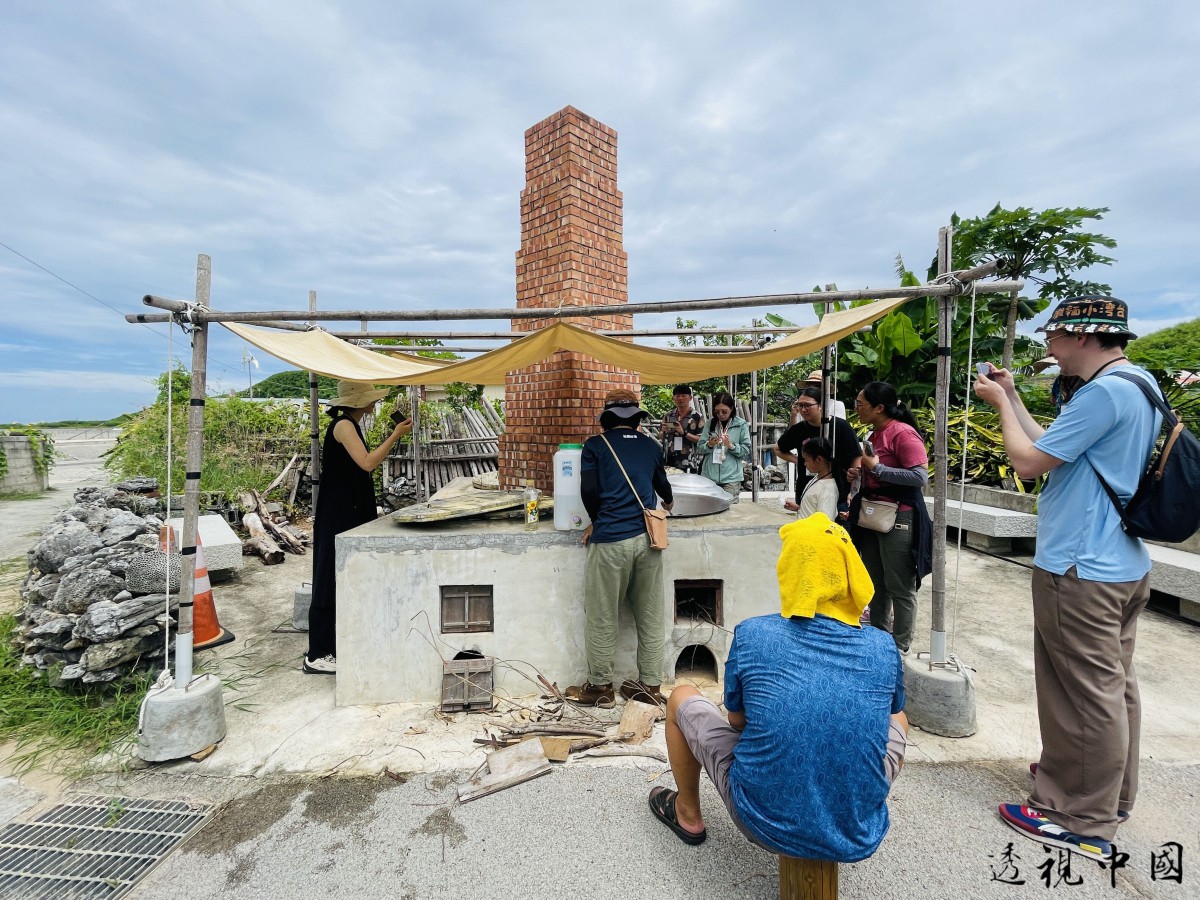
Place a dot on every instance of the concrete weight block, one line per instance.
(940, 699)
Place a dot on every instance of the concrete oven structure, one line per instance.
(413, 596)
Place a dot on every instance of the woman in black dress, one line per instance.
(346, 500)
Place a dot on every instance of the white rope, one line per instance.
(962, 478)
(170, 532)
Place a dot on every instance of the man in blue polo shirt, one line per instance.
(1090, 581)
(816, 729)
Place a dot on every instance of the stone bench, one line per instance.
(1177, 573)
(988, 528)
(222, 548)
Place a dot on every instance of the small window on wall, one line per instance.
(699, 599)
(466, 607)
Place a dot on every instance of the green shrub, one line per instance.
(245, 444)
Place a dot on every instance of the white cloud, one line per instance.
(373, 151)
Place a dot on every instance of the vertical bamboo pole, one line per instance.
(314, 418)
(755, 441)
(191, 491)
(946, 305)
(827, 430)
(414, 397)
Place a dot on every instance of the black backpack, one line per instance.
(1164, 507)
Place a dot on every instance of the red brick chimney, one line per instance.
(571, 255)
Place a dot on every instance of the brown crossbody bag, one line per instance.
(656, 519)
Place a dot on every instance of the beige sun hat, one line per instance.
(356, 395)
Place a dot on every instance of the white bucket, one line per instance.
(569, 514)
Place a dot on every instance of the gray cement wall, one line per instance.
(390, 648)
(22, 476)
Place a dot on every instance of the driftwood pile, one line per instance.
(270, 532)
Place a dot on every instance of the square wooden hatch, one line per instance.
(467, 684)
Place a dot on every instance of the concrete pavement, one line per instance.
(306, 809)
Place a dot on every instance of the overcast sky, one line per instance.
(373, 152)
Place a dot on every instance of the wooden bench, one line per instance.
(807, 879)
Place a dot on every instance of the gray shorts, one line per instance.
(712, 741)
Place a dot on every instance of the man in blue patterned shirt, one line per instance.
(816, 728)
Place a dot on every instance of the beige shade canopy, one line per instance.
(319, 352)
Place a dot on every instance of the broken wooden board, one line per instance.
(557, 749)
(639, 719)
(506, 768)
(462, 506)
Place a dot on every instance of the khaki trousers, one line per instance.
(1089, 708)
(624, 570)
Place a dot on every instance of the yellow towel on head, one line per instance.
(820, 571)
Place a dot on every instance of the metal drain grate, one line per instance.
(92, 846)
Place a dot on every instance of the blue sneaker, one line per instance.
(1031, 823)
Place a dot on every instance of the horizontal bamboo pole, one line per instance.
(517, 335)
(451, 348)
(570, 312)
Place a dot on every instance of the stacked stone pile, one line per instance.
(94, 601)
(771, 478)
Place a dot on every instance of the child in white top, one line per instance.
(821, 493)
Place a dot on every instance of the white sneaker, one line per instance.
(326, 665)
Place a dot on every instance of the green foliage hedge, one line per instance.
(245, 444)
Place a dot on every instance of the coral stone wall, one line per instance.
(571, 255)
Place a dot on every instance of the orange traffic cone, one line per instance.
(206, 630)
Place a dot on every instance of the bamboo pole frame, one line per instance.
(314, 421)
(191, 482)
(949, 289)
(199, 314)
(946, 308)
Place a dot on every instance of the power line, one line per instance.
(154, 331)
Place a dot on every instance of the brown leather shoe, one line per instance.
(588, 694)
(642, 693)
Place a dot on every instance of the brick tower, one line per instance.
(571, 255)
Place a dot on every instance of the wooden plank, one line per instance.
(557, 749)
(507, 767)
(638, 720)
(807, 879)
(490, 784)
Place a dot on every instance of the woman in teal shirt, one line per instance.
(726, 443)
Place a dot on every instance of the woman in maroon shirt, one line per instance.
(896, 471)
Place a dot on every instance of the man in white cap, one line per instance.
(1090, 578)
(816, 378)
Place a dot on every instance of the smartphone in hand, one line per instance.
(397, 417)
(868, 448)
(984, 369)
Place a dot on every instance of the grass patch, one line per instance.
(22, 495)
(58, 729)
